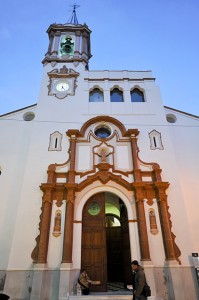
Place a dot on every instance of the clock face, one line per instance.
(62, 86)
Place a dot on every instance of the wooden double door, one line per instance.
(105, 249)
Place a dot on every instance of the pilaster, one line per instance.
(45, 226)
(142, 227)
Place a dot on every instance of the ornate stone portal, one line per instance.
(104, 169)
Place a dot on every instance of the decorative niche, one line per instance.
(55, 141)
(155, 140)
(57, 224)
(152, 221)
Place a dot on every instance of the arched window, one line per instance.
(96, 96)
(55, 141)
(137, 96)
(116, 95)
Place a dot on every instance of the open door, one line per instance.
(94, 241)
(126, 255)
(105, 242)
(114, 249)
(118, 247)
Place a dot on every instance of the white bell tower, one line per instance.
(68, 43)
(65, 65)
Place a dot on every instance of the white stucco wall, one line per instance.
(25, 158)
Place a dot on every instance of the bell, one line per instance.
(67, 47)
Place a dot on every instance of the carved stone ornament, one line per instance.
(57, 224)
(62, 82)
(153, 223)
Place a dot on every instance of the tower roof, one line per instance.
(73, 19)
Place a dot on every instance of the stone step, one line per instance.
(94, 296)
(100, 297)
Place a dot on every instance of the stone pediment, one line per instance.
(63, 73)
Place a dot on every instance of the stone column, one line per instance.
(134, 147)
(50, 43)
(68, 229)
(84, 43)
(142, 228)
(51, 174)
(77, 43)
(71, 172)
(69, 215)
(85, 47)
(56, 41)
(134, 150)
(165, 224)
(45, 226)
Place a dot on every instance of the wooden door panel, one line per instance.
(94, 241)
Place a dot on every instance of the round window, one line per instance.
(103, 132)
(171, 118)
(28, 116)
(94, 209)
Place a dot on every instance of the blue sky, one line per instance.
(157, 35)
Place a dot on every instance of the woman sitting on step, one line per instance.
(84, 282)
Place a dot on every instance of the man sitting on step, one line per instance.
(84, 282)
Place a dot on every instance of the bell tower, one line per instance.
(65, 62)
(68, 43)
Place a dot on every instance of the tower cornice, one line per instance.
(65, 27)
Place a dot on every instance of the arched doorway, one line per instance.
(105, 241)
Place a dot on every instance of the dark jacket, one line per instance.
(140, 280)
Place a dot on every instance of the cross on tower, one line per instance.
(73, 19)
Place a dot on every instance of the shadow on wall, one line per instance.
(4, 297)
(168, 282)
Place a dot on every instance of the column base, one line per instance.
(68, 280)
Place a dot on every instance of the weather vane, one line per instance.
(73, 19)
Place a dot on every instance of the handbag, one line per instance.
(146, 290)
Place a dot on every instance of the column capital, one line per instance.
(132, 133)
(72, 133)
(161, 188)
(70, 196)
(139, 193)
(47, 192)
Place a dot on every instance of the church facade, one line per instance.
(97, 173)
